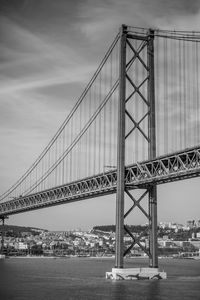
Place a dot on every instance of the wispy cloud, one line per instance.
(101, 19)
(32, 64)
(34, 61)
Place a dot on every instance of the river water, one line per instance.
(84, 278)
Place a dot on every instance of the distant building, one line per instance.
(191, 224)
(21, 246)
(182, 243)
(170, 225)
(167, 244)
(164, 225)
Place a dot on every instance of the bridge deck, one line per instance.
(173, 167)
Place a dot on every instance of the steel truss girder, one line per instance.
(167, 168)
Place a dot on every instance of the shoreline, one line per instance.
(97, 257)
(75, 256)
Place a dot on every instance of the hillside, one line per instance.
(13, 230)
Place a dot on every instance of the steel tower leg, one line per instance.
(153, 260)
(119, 249)
(2, 235)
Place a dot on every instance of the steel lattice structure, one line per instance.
(169, 168)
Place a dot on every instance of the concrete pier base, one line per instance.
(2, 256)
(135, 274)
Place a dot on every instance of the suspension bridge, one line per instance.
(136, 125)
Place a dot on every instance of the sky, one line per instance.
(49, 50)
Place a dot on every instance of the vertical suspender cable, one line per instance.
(100, 116)
(110, 116)
(95, 131)
(89, 137)
(137, 101)
(189, 100)
(184, 94)
(180, 95)
(71, 154)
(197, 94)
(104, 118)
(81, 157)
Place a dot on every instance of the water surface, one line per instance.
(84, 278)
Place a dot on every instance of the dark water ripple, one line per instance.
(84, 278)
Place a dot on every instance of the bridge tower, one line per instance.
(149, 135)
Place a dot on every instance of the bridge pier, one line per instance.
(135, 274)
